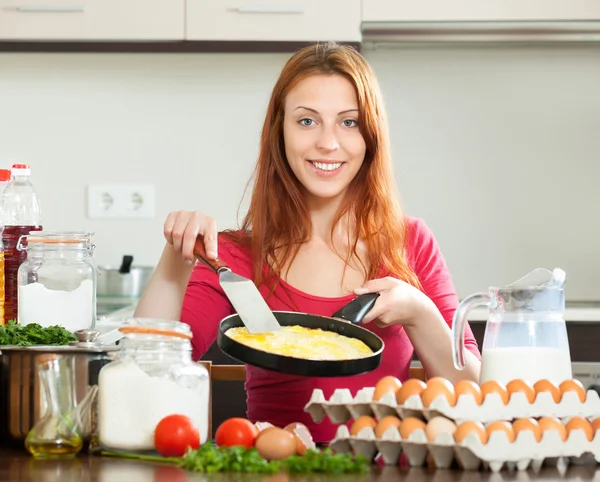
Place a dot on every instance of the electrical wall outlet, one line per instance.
(120, 200)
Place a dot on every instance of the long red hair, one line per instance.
(277, 222)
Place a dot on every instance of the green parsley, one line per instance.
(34, 334)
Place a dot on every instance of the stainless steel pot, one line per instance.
(123, 281)
(22, 401)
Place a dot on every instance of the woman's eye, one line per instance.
(350, 123)
(306, 122)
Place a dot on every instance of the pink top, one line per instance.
(280, 399)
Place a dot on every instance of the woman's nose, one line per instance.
(327, 140)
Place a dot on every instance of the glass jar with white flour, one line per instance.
(57, 281)
(152, 377)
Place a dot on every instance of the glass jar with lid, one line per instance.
(57, 281)
(153, 377)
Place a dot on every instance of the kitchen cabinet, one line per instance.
(92, 20)
(478, 10)
(274, 20)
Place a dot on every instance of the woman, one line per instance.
(323, 226)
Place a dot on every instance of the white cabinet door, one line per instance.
(478, 10)
(89, 20)
(273, 20)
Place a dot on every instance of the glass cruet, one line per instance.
(525, 333)
(57, 433)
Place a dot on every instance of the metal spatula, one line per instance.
(242, 292)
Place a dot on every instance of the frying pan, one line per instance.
(345, 322)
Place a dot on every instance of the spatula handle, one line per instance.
(200, 252)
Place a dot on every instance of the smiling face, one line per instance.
(323, 144)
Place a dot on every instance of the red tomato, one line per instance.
(236, 431)
(174, 434)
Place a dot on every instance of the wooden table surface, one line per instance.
(16, 466)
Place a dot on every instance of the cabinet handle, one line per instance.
(269, 11)
(50, 9)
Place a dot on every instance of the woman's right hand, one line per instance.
(182, 228)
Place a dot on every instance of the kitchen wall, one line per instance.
(497, 148)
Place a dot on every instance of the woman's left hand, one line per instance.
(398, 302)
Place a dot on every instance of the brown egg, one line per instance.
(409, 425)
(492, 386)
(304, 440)
(275, 444)
(362, 422)
(437, 426)
(502, 426)
(411, 387)
(438, 386)
(573, 385)
(518, 385)
(385, 423)
(463, 387)
(547, 386)
(580, 423)
(468, 427)
(386, 385)
(524, 424)
(553, 423)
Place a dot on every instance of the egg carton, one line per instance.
(471, 453)
(342, 407)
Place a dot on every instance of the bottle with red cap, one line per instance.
(4, 179)
(20, 213)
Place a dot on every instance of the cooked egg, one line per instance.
(573, 385)
(527, 424)
(411, 387)
(501, 426)
(300, 342)
(547, 386)
(521, 386)
(580, 423)
(275, 443)
(468, 387)
(438, 386)
(385, 385)
(468, 427)
(409, 425)
(304, 440)
(493, 386)
(437, 426)
(362, 422)
(386, 423)
(552, 423)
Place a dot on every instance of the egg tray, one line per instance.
(342, 407)
(471, 453)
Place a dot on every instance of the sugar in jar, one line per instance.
(153, 377)
(57, 281)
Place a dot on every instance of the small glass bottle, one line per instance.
(57, 282)
(153, 376)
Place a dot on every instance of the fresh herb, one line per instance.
(34, 334)
(210, 458)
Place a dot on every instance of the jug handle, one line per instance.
(459, 323)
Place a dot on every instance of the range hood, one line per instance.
(399, 33)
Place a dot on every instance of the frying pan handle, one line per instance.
(217, 265)
(356, 310)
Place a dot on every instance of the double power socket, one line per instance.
(120, 201)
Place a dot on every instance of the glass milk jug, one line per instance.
(525, 334)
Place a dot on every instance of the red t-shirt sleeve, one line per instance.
(429, 265)
(205, 303)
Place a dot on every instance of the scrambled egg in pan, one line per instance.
(301, 342)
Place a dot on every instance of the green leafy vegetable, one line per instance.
(209, 458)
(34, 334)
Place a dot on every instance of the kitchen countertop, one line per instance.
(17, 466)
